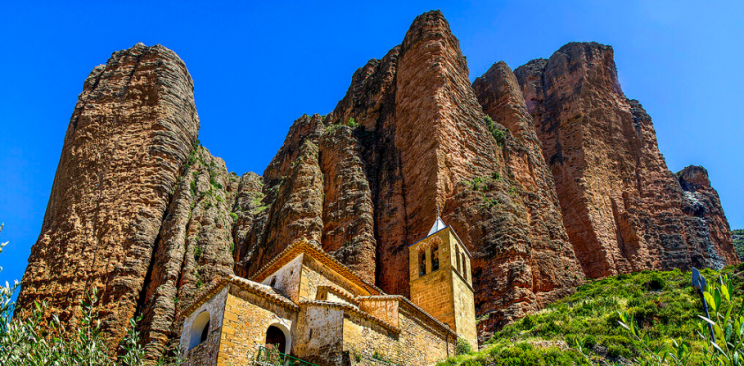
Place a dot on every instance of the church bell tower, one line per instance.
(441, 282)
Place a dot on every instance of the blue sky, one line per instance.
(258, 66)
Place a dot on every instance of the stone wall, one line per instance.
(287, 280)
(247, 317)
(465, 324)
(314, 275)
(206, 352)
(433, 293)
(319, 334)
(416, 344)
(384, 308)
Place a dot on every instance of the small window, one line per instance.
(273, 281)
(199, 330)
(435, 258)
(457, 259)
(422, 263)
(464, 265)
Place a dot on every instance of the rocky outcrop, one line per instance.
(407, 143)
(536, 261)
(622, 208)
(125, 148)
(546, 174)
(194, 250)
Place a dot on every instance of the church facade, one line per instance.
(306, 304)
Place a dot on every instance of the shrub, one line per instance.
(656, 283)
(351, 123)
(528, 322)
(589, 341)
(462, 347)
(498, 135)
(234, 216)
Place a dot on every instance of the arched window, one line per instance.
(422, 263)
(199, 330)
(435, 258)
(457, 258)
(277, 337)
(464, 265)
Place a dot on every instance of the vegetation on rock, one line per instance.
(738, 236)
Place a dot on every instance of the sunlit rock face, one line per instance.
(419, 146)
(547, 174)
(622, 208)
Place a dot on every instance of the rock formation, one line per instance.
(546, 174)
(126, 144)
(408, 142)
(623, 209)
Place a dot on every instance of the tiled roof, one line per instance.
(253, 287)
(305, 246)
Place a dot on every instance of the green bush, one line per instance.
(351, 123)
(462, 347)
(498, 135)
(589, 341)
(656, 283)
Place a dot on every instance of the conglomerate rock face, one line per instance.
(127, 142)
(538, 261)
(194, 248)
(547, 174)
(407, 143)
(623, 209)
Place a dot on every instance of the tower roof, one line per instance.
(438, 225)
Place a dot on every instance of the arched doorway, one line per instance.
(277, 339)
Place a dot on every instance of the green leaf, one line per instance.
(710, 300)
(729, 331)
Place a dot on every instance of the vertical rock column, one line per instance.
(622, 208)
(125, 147)
(533, 262)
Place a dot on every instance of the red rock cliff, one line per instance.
(622, 207)
(127, 142)
(546, 173)
(420, 146)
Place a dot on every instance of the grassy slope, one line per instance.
(664, 304)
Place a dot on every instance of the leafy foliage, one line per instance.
(35, 338)
(463, 347)
(496, 132)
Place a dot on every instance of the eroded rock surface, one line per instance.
(407, 143)
(623, 209)
(126, 145)
(546, 173)
(536, 263)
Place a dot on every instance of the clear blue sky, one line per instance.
(258, 67)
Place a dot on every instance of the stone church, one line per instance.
(306, 304)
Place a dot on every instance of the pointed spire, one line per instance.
(438, 225)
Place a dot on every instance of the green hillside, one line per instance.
(663, 303)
